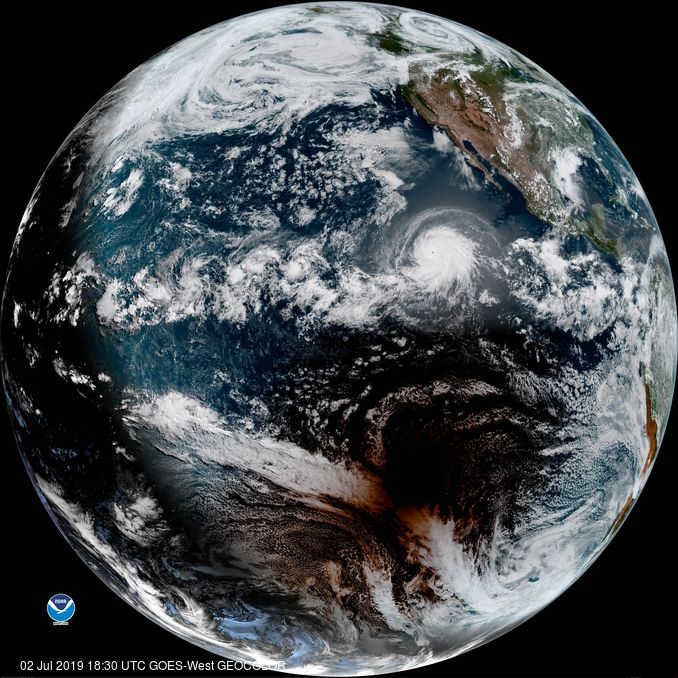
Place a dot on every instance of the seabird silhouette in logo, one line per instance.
(60, 608)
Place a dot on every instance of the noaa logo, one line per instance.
(60, 608)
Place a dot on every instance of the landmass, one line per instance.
(628, 504)
(502, 134)
(650, 429)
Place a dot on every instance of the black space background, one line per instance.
(619, 619)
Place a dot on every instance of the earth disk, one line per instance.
(340, 335)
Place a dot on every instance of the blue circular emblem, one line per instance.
(60, 607)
